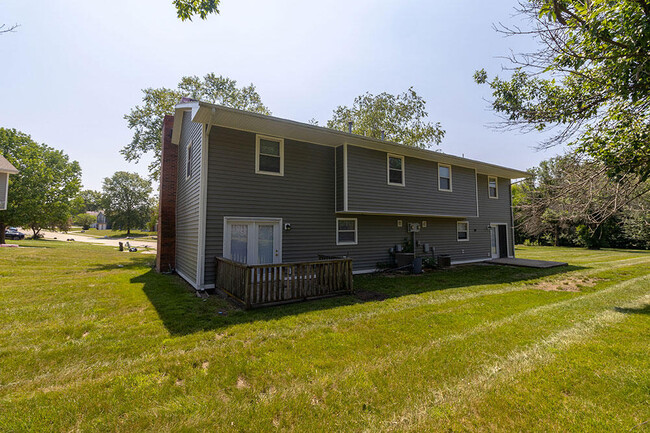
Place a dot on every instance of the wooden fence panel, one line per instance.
(259, 285)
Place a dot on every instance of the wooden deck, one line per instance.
(526, 263)
(263, 285)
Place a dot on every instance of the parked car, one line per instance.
(14, 234)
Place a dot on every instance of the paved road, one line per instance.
(113, 242)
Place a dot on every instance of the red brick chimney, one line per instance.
(166, 257)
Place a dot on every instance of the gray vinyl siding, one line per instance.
(496, 210)
(187, 199)
(377, 234)
(3, 189)
(340, 183)
(369, 191)
(303, 197)
(307, 197)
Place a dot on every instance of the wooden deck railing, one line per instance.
(259, 285)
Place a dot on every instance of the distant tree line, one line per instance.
(572, 201)
(41, 194)
(125, 200)
(45, 194)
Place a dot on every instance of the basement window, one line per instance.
(462, 231)
(269, 155)
(346, 231)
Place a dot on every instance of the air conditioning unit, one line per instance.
(414, 227)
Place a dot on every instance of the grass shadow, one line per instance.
(645, 310)
(182, 312)
(136, 262)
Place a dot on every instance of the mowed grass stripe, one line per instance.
(516, 363)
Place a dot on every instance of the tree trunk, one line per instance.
(2, 233)
(36, 231)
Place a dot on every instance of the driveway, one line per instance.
(98, 241)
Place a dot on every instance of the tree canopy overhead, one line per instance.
(401, 117)
(589, 82)
(186, 9)
(146, 119)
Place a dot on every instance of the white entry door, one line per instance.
(253, 241)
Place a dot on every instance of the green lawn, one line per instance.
(94, 340)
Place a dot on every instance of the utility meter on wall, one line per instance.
(414, 227)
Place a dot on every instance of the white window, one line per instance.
(395, 169)
(346, 231)
(444, 177)
(493, 190)
(188, 161)
(462, 231)
(269, 155)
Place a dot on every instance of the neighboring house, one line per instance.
(5, 170)
(101, 222)
(259, 189)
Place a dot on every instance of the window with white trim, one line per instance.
(188, 160)
(395, 167)
(462, 231)
(346, 231)
(269, 155)
(444, 177)
(493, 190)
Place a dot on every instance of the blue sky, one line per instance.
(74, 68)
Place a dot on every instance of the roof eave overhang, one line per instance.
(178, 118)
(7, 167)
(218, 115)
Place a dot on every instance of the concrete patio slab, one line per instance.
(526, 263)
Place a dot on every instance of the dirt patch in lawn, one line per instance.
(571, 284)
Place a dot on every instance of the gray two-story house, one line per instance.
(259, 189)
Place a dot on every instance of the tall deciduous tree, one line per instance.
(87, 200)
(146, 119)
(127, 200)
(402, 118)
(589, 82)
(42, 192)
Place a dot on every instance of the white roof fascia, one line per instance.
(178, 118)
(203, 112)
